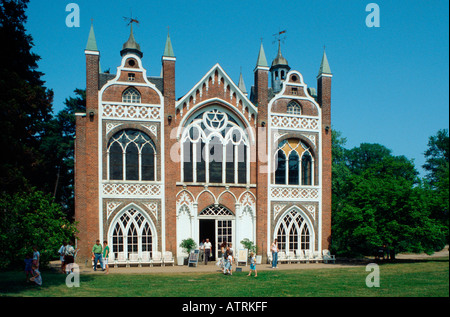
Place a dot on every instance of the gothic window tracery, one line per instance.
(131, 156)
(215, 149)
(293, 233)
(131, 234)
(131, 95)
(294, 163)
(294, 108)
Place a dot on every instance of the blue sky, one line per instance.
(390, 84)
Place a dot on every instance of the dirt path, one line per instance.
(211, 267)
(443, 253)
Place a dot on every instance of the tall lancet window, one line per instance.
(280, 172)
(306, 169)
(131, 155)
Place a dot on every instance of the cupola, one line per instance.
(279, 70)
(131, 46)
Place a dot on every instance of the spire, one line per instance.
(92, 43)
(168, 50)
(262, 61)
(241, 84)
(324, 66)
(131, 45)
(279, 60)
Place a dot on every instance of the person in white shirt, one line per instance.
(208, 248)
(62, 252)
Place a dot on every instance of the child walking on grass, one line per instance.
(252, 264)
(229, 263)
(37, 278)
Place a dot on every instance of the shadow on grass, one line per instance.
(14, 283)
(365, 261)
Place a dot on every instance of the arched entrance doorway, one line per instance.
(216, 223)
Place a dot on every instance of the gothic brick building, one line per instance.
(218, 163)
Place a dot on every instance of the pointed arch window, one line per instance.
(215, 149)
(131, 95)
(306, 169)
(131, 155)
(280, 172)
(294, 163)
(293, 233)
(294, 168)
(294, 108)
(132, 234)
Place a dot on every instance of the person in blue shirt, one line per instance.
(252, 264)
(28, 263)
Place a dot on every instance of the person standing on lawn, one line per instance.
(207, 247)
(274, 249)
(28, 266)
(97, 255)
(62, 252)
(252, 264)
(105, 256)
(36, 256)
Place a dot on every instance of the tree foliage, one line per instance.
(378, 199)
(437, 178)
(25, 104)
(437, 156)
(58, 144)
(36, 165)
(31, 219)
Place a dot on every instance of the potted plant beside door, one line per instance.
(251, 247)
(187, 245)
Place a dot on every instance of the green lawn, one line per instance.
(415, 279)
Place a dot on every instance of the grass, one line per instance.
(428, 278)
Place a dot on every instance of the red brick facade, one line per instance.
(174, 208)
(324, 99)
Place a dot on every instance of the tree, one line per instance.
(31, 219)
(437, 166)
(58, 145)
(25, 104)
(381, 201)
(437, 156)
(339, 168)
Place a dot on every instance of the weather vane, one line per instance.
(279, 36)
(131, 20)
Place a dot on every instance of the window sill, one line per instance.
(216, 184)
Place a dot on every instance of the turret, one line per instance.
(131, 46)
(261, 81)
(92, 70)
(278, 70)
(241, 84)
(324, 100)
